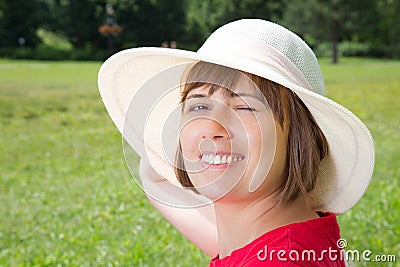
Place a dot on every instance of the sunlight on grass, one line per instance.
(67, 197)
(52, 39)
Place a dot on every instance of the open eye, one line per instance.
(199, 107)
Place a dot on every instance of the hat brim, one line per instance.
(344, 174)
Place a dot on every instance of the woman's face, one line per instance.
(231, 143)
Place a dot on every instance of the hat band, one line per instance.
(260, 54)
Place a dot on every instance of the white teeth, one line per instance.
(223, 160)
(218, 159)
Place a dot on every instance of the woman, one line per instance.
(240, 133)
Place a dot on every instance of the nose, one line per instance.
(214, 129)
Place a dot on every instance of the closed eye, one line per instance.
(246, 108)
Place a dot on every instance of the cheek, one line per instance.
(275, 155)
(188, 140)
(254, 138)
(261, 135)
(262, 138)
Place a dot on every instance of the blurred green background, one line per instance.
(66, 196)
(93, 29)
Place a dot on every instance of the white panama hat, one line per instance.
(143, 76)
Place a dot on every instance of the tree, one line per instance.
(149, 23)
(78, 20)
(329, 20)
(204, 16)
(190, 22)
(237, 9)
(20, 19)
(387, 26)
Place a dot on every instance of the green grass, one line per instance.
(67, 198)
(371, 89)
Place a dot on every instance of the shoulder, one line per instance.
(320, 233)
(298, 244)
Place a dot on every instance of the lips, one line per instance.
(220, 158)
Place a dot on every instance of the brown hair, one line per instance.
(307, 145)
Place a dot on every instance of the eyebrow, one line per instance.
(195, 96)
(246, 95)
(234, 95)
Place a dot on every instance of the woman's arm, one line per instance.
(198, 225)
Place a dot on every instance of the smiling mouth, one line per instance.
(220, 159)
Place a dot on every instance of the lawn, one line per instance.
(67, 198)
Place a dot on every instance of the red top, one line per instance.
(309, 243)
